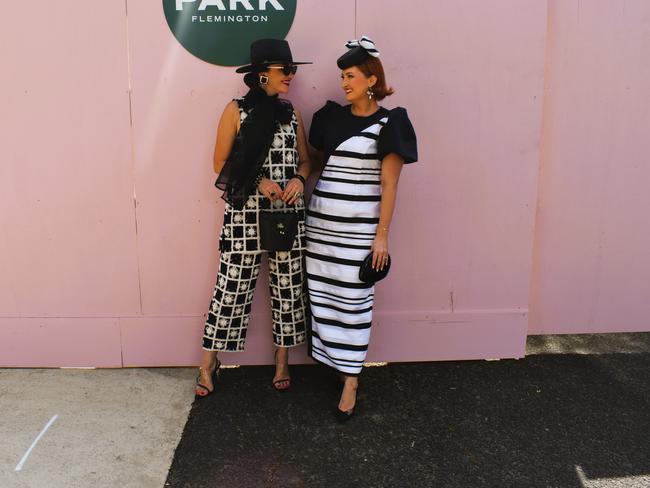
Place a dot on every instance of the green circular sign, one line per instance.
(221, 31)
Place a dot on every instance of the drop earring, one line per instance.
(370, 93)
(264, 80)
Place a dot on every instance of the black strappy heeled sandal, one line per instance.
(215, 379)
(277, 383)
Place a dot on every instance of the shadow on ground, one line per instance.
(544, 421)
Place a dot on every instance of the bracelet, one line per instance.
(300, 177)
(259, 179)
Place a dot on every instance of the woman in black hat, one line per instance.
(262, 162)
(350, 210)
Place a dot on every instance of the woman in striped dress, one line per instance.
(364, 146)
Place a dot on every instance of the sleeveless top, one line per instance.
(240, 231)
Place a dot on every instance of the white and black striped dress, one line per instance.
(341, 223)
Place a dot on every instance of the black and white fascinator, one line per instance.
(358, 51)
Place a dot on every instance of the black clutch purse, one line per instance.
(278, 229)
(369, 275)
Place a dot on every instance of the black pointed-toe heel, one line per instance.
(344, 416)
(215, 379)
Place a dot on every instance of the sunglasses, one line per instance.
(286, 70)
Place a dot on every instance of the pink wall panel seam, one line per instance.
(132, 152)
(544, 113)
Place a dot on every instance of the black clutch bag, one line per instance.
(369, 275)
(278, 229)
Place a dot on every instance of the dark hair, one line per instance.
(372, 66)
(252, 79)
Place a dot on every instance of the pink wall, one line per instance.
(591, 261)
(110, 217)
(68, 257)
(467, 229)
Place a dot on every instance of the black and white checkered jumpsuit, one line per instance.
(241, 255)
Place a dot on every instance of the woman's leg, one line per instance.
(282, 378)
(229, 313)
(227, 322)
(349, 394)
(288, 309)
(204, 384)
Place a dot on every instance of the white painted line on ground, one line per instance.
(19, 466)
(581, 477)
(640, 481)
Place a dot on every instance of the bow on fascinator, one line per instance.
(366, 43)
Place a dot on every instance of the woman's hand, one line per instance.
(380, 251)
(294, 191)
(270, 189)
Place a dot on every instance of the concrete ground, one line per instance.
(120, 428)
(115, 427)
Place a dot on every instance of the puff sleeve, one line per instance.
(398, 136)
(319, 124)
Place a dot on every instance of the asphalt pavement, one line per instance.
(571, 414)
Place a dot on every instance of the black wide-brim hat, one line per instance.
(265, 52)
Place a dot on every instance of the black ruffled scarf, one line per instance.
(238, 178)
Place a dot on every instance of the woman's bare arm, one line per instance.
(305, 165)
(391, 167)
(226, 133)
(295, 188)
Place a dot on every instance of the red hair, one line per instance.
(372, 66)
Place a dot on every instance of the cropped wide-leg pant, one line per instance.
(229, 313)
